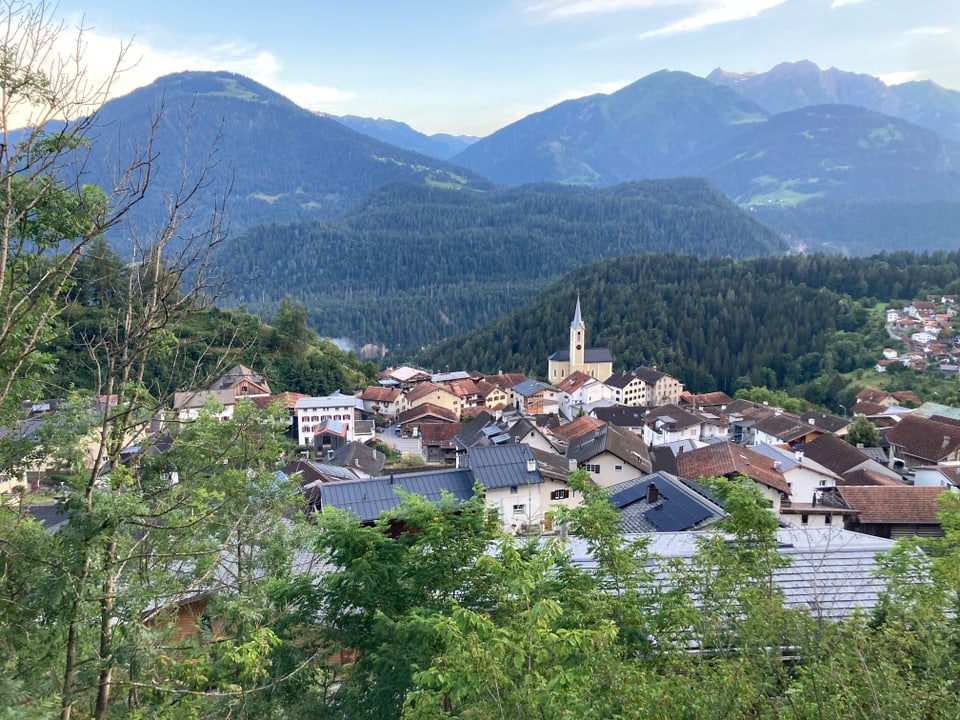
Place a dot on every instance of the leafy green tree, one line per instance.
(862, 433)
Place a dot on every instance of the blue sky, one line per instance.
(473, 66)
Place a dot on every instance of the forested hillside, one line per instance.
(413, 265)
(718, 323)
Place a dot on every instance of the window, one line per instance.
(595, 469)
(804, 519)
(828, 519)
(513, 489)
(560, 494)
(618, 468)
(519, 509)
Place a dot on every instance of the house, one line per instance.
(805, 476)
(670, 423)
(627, 389)
(852, 465)
(411, 420)
(628, 418)
(894, 511)
(492, 397)
(609, 454)
(534, 397)
(381, 401)
(782, 427)
(661, 502)
(485, 429)
(917, 441)
(428, 393)
(187, 404)
(575, 428)
(597, 362)
(436, 439)
(944, 475)
(403, 378)
(825, 422)
(467, 389)
(243, 381)
(662, 389)
(579, 393)
(725, 459)
(314, 415)
(715, 401)
(362, 460)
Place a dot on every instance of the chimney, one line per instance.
(776, 465)
(811, 421)
(531, 465)
(798, 456)
(653, 493)
(571, 464)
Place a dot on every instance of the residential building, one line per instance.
(610, 455)
(314, 415)
(661, 502)
(662, 389)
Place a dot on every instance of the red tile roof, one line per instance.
(903, 504)
(726, 459)
(578, 427)
(925, 438)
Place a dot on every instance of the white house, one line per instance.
(313, 412)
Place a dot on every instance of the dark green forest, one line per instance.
(412, 265)
(793, 322)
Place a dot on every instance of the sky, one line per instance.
(473, 66)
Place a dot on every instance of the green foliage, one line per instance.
(863, 433)
(773, 398)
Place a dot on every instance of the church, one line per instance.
(595, 361)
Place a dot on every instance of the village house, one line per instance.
(331, 415)
(579, 393)
(670, 423)
(918, 441)
(662, 389)
(661, 502)
(627, 389)
(380, 401)
(533, 397)
(609, 454)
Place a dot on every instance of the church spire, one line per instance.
(577, 320)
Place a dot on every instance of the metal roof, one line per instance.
(367, 499)
(501, 466)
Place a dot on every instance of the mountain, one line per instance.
(644, 130)
(790, 86)
(411, 265)
(280, 161)
(840, 152)
(442, 146)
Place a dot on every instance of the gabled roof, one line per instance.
(404, 374)
(710, 399)
(530, 387)
(424, 389)
(426, 410)
(335, 399)
(648, 374)
(784, 427)
(330, 427)
(472, 434)
(610, 439)
(825, 421)
(499, 466)
(724, 459)
(286, 400)
(196, 399)
(619, 415)
(574, 381)
(673, 505)
(438, 433)
(925, 438)
(834, 453)
(894, 505)
(551, 465)
(359, 457)
(237, 374)
(505, 381)
(577, 427)
(367, 499)
(620, 380)
(672, 415)
(376, 393)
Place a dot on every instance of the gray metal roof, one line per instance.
(501, 466)
(679, 505)
(590, 355)
(529, 387)
(832, 572)
(367, 499)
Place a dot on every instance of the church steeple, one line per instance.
(577, 338)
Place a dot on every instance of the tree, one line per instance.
(862, 433)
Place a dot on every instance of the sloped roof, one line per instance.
(423, 390)
(376, 393)
(574, 381)
(618, 442)
(577, 427)
(710, 399)
(678, 504)
(863, 476)
(551, 465)
(286, 400)
(724, 459)
(834, 453)
(505, 381)
(472, 434)
(427, 410)
(784, 427)
(673, 415)
(196, 399)
(498, 466)
(235, 375)
(358, 456)
(590, 355)
(334, 399)
(530, 387)
(438, 433)
(648, 374)
(825, 421)
(901, 505)
(619, 415)
(620, 380)
(925, 438)
(367, 499)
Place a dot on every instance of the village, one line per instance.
(639, 435)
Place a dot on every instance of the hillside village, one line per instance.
(928, 332)
(639, 435)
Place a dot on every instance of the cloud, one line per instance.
(895, 78)
(715, 13)
(843, 3)
(560, 9)
(929, 30)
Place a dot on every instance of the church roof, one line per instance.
(590, 355)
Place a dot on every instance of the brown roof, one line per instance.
(505, 381)
(872, 395)
(438, 433)
(375, 393)
(578, 427)
(864, 407)
(903, 504)
(427, 410)
(784, 427)
(925, 438)
(725, 459)
(574, 381)
(863, 477)
(710, 399)
(463, 388)
(286, 400)
(424, 389)
(833, 453)
(907, 396)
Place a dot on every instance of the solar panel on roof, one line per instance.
(491, 430)
(629, 495)
(500, 439)
(679, 512)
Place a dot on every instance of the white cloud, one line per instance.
(930, 30)
(843, 3)
(715, 13)
(559, 9)
(895, 78)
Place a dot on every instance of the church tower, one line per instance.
(577, 338)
